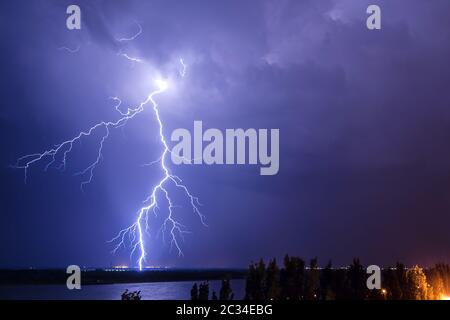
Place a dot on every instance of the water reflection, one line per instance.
(149, 291)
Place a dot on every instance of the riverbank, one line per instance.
(112, 275)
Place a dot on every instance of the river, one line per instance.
(149, 291)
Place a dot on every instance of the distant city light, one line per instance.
(121, 267)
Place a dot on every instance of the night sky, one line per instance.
(364, 119)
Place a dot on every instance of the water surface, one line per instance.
(149, 291)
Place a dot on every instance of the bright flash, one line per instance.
(445, 297)
(161, 84)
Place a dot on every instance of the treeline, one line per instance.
(296, 280)
(201, 292)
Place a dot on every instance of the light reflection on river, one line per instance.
(149, 291)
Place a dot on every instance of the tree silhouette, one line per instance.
(294, 282)
(225, 291)
(312, 291)
(255, 282)
(203, 292)
(326, 281)
(194, 292)
(272, 284)
(357, 280)
(293, 278)
(391, 284)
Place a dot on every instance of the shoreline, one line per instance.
(117, 276)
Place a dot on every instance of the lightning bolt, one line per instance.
(131, 38)
(76, 49)
(134, 235)
(128, 57)
(135, 232)
(137, 34)
(183, 68)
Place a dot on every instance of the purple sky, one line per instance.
(363, 115)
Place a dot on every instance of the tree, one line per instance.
(313, 281)
(250, 282)
(194, 292)
(203, 292)
(292, 278)
(402, 280)
(225, 291)
(439, 281)
(435, 285)
(255, 282)
(272, 284)
(417, 283)
(391, 284)
(326, 279)
(357, 280)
